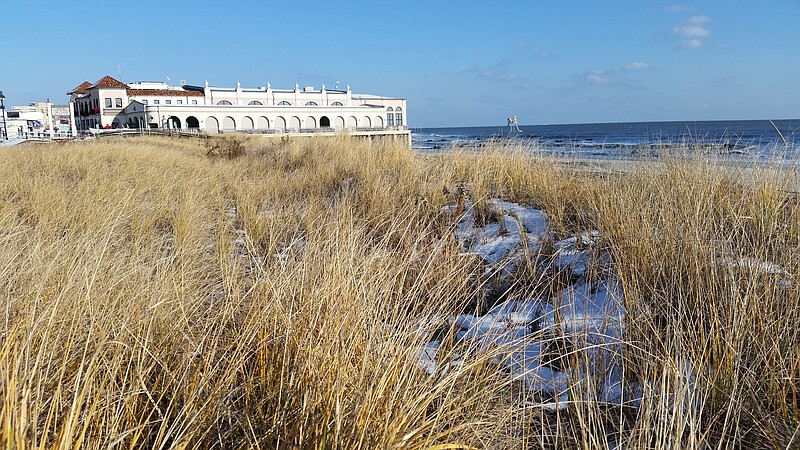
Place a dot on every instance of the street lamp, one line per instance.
(3, 113)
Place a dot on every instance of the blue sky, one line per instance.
(465, 63)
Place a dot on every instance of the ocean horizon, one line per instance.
(733, 138)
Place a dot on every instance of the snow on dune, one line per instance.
(568, 346)
(551, 344)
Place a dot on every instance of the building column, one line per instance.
(50, 118)
(72, 126)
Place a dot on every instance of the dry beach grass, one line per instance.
(156, 296)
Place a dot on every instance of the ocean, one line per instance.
(746, 139)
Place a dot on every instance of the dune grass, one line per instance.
(159, 297)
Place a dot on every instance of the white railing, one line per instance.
(41, 135)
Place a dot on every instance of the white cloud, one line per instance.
(678, 8)
(692, 43)
(596, 76)
(609, 76)
(637, 66)
(692, 27)
(692, 31)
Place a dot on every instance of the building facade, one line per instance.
(55, 118)
(109, 103)
(26, 125)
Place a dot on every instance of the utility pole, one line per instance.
(3, 113)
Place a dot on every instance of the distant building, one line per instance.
(42, 107)
(25, 124)
(54, 117)
(110, 103)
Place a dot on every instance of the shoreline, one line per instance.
(745, 169)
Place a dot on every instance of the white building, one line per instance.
(25, 125)
(56, 118)
(109, 103)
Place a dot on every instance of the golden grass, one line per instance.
(159, 298)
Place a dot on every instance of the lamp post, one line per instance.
(3, 113)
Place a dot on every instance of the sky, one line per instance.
(465, 63)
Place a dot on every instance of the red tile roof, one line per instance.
(165, 93)
(109, 82)
(81, 89)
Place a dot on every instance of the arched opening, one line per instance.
(398, 116)
(255, 103)
(324, 122)
(352, 122)
(263, 123)
(294, 123)
(192, 122)
(223, 102)
(379, 122)
(389, 117)
(228, 124)
(311, 122)
(174, 123)
(247, 123)
(366, 122)
(212, 124)
(280, 123)
(340, 123)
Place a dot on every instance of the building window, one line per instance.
(284, 103)
(337, 104)
(144, 102)
(223, 102)
(168, 102)
(156, 102)
(108, 103)
(194, 102)
(118, 102)
(255, 103)
(180, 102)
(398, 119)
(390, 119)
(311, 104)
